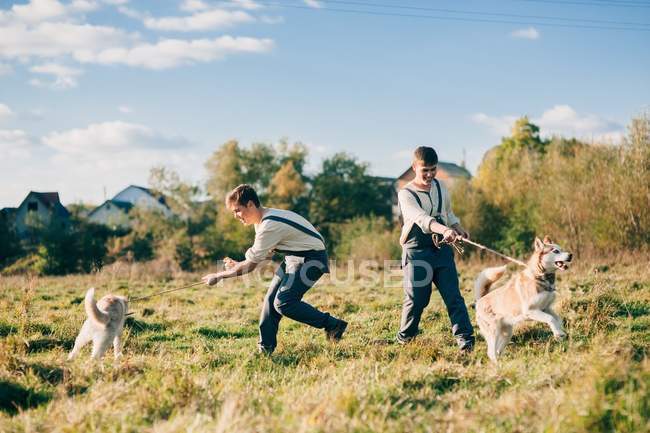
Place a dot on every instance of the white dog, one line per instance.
(527, 295)
(103, 326)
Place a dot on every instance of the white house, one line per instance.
(38, 208)
(111, 213)
(114, 212)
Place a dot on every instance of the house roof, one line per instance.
(8, 211)
(160, 198)
(122, 205)
(50, 200)
(452, 169)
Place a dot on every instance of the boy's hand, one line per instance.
(212, 279)
(461, 231)
(449, 236)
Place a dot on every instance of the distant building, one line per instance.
(38, 208)
(114, 212)
(448, 173)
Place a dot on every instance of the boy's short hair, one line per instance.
(242, 195)
(427, 155)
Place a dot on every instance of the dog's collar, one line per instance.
(549, 279)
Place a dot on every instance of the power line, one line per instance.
(449, 18)
(604, 3)
(495, 14)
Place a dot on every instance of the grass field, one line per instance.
(190, 361)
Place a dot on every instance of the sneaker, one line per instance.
(263, 350)
(336, 333)
(403, 341)
(467, 348)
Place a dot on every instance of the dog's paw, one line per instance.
(560, 336)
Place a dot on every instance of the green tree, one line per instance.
(287, 189)
(10, 247)
(224, 170)
(344, 190)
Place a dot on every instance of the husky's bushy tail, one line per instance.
(95, 314)
(485, 279)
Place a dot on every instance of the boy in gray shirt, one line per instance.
(305, 261)
(426, 210)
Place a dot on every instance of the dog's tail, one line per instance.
(485, 280)
(95, 314)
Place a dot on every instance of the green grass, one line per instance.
(190, 362)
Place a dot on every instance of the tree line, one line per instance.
(594, 198)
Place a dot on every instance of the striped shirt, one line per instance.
(276, 235)
(413, 213)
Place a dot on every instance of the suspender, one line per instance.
(295, 225)
(417, 198)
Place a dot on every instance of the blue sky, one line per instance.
(95, 92)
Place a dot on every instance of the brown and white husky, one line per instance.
(527, 295)
(103, 326)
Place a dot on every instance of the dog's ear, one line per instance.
(547, 240)
(539, 245)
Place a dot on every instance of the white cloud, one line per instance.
(313, 3)
(564, 120)
(5, 111)
(5, 69)
(246, 4)
(558, 120)
(204, 20)
(116, 2)
(131, 13)
(35, 11)
(79, 163)
(169, 53)
(529, 33)
(125, 109)
(64, 77)
(499, 125)
(84, 5)
(110, 138)
(193, 5)
(57, 39)
(15, 143)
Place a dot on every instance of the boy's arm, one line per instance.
(233, 269)
(413, 212)
(268, 236)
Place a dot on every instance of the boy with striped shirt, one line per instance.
(305, 261)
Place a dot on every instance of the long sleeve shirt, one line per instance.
(413, 213)
(276, 235)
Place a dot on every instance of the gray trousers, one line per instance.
(284, 298)
(422, 267)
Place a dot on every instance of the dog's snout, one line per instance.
(570, 257)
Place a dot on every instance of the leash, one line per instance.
(141, 298)
(483, 247)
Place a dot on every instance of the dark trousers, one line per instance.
(422, 267)
(284, 298)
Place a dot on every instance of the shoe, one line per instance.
(336, 333)
(265, 350)
(467, 348)
(403, 341)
